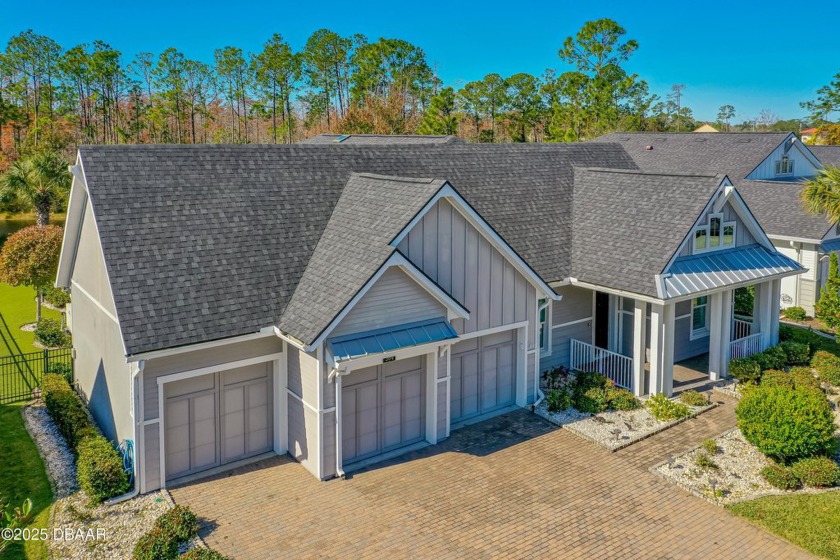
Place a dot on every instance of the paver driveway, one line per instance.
(513, 487)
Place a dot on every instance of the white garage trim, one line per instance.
(494, 330)
(164, 379)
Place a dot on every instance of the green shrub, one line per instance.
(704, 462)
(202, 554)
(622, 399)
(776, 378)
(157, 544)
(664, 409)
(827, 308)
(66, 409)
(558, 400)
(710, 446)
(785, 423)
(827, 366)
(772, 358)
(100, 469)
(62, 369)
(780, 476)
(797, 353)
(794, 313)
(820, 472)
(593, 400)
(745, 370)
(803, 378)
(49, 333)
(181, 521)
(788, 332)
(694, 398)
(56, 297)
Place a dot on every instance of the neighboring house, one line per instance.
(344, 304)
(808, 134)
(706, 127)
(829, 156)
(388, 139)
(777, 161)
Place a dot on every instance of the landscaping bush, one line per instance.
(797, 353)
(66, 409)
(803, 378)
(56, 297)
(157, 544)
(100, 469)
(787, 332)
(794, 313)
(820, 472)
(622, 399)
(556, 378)
(776, 378)
(558, 400)
(827, 366)
(704, 462)
(593, 400)
(49, 333)
(745, 370)
(664, 409)
(181, 521)
(785, 423)
(694, 398)
(780, 476)
(772, 358)
(710, 446)
(202, 554)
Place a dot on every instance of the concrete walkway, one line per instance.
(512, 487)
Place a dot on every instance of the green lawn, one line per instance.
(22, 475)
(810, 521)
(17, 307)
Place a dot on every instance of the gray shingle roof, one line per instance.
(828, 155)
(778, 208)
(210, 241)
(379, 139)
(734, 154)
(628, 224)
(371, 211)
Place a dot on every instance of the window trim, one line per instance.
(704, 331)
(707, 228)
(544, 326)
(784, 166)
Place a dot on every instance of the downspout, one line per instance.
(335, 377)
(136, 380)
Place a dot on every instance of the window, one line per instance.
(784, 166)
(729, 233)
(701, 234)
(545, 326)
(699, 317)
(715, 235)
(714, 231)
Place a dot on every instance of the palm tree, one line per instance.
(39, 180)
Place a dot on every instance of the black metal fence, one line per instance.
(21, 374)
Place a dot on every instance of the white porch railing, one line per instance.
(744, 347)
(741, 329)
(588, 357)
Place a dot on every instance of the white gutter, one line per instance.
(136, 380)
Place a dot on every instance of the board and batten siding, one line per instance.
(802, 166)
(456, 255)
(802, 290)
(571, 318)
(102, 374)
(742, 234)
(394, 299)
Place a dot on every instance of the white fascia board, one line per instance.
(780, 237)
(809, 155)
(474, 218)
(570, 281)
(396, 259)
(262, 333)
(72, 226)
(749, 220)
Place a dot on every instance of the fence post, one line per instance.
(46, 361)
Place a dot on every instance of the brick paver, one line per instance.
(513, 487)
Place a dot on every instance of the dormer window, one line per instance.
(716, 234)
(784, 166)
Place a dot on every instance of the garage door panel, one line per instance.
(392, 412)
(506, 374)
(260, 434)
(413, 407)
(367, 423)
(483, 373)
(178, 436)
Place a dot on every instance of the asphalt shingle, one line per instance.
(382, 139)
(778, 208)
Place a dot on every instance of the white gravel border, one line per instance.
(630, 425)
(61, 466)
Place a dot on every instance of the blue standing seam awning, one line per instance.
(388, 339)
(830, 245)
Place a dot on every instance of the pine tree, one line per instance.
(440, 116)
(828, 307)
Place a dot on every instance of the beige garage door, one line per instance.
(218, 418)
(483, 375)
(383, 408)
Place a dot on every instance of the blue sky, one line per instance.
(748, 54)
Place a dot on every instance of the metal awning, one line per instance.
(388, 339)
(830, 245)
(718, 269)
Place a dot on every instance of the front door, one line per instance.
(602, 320)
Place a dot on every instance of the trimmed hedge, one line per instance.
(664, 409)
(803, 378)
(776, 378)
(100, 469)
(785, 423)
(181, 521)
(780, 476)
(772, 358)
(794, 313)
(797, 353)
(157, 544)
(819, 472)
(694, 398)
(827, 366)
(173, 528)
(595, 393)
(745, 370)
(49, 333)
(66, 409)
(57, 297)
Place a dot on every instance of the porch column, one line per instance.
(727, 314)
(775, 304)
(662, 349)
(639, 343)
(716, 340)
(764, 297)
